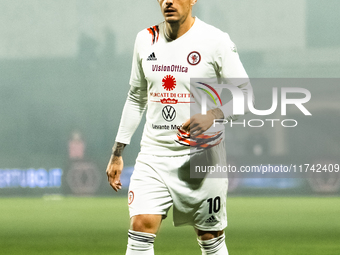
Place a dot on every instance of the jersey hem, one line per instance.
(202, 228)
(164, 215)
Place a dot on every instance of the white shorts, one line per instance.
(159, 182)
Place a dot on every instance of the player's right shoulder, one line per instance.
(149, 35)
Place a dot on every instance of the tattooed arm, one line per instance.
(115, 166)
(132, 114)
(117, 149)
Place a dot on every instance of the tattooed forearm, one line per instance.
(118, 148)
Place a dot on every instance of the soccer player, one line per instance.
(165, 57)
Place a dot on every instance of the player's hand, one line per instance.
(198, 123)
(113, 171)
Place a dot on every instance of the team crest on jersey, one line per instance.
(131, 197)
(194, 58)
(169, 82)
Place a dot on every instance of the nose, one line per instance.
(168, 2)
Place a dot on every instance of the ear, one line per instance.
(193, 2)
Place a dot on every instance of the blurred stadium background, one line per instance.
(64, 71)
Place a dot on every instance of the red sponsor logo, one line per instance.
(169, 101)
(169, 82)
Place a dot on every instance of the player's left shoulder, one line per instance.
(219, 41)
(213, 33)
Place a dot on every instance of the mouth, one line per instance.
(169, 11)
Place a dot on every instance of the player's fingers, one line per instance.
(116, 185)
(119, 185)
(193, 124)
(186, 126)
(113, 186)
(196, 131)
(111, 182)
(116, 181)
(111, 179)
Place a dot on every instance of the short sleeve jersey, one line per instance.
(165, 67)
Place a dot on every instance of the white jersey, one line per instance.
(165, 68)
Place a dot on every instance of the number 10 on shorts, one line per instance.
(214, 204)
